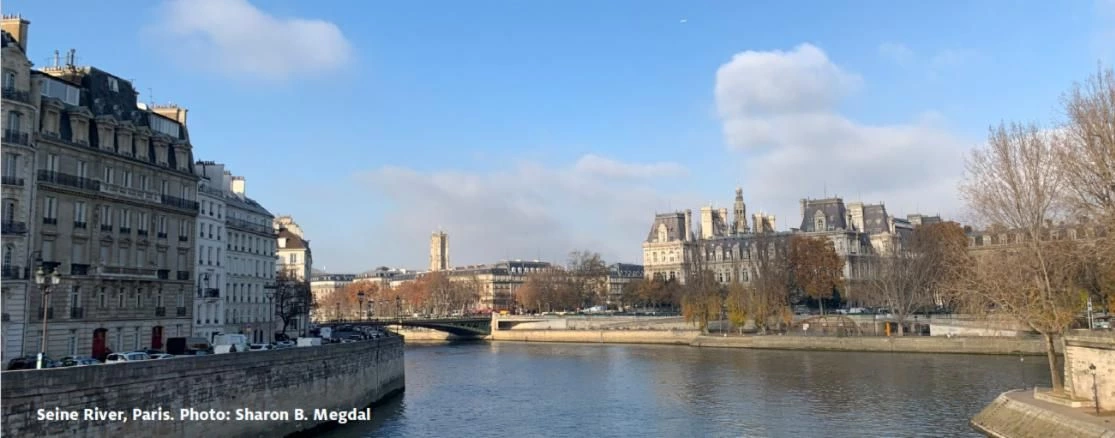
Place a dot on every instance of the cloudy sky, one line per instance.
(530, 129)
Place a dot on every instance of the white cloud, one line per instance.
(808, 148)
(600, 166)
(233, 36)
(525, 211)
(932, 64)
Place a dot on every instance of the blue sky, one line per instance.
(530, 129)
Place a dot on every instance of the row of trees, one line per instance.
(583, 284)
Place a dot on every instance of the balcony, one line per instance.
(248, 226)
(162, 235)
(128, 192)
(49, 313)
(176, 202)
(12, 181)
(106, 227)
(183, 238)
(6, 318)
(125, 230)
(50, 220)
(16, 137)
(160, 311)
(212, 293)
(181, 311)
(79, 269)
(65, 179)
(119, 271)
(10, 93)
(164, 274)
(141, 232)
(10, 228)
(80, 225)
(14, 272)
(183, 276)
(77, 312)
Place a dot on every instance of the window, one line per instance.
(141, 258)
(8, 250)
(61, 91)
(73, 342)
(106, 215)
(52, 162)
(165, 188)
(138, 297)
(79, 212)
(82, 169)
(9, 79)
(78, 253)
(113, 84)
(163, 125)
(50, 208)
(137, 339)
(105, 257)
(10, 167)
(143, 221)
(144, 182)
(128, 179)
(159, 298)
(9, 209)
(120, 298)
(162, 225)
(75, 297)
(181, 299)
(107, 179)
(13, 121)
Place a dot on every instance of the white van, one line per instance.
(230, 344)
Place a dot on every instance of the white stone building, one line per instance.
(212, 253)
(296, 260)
(247, 258)
(20, 116)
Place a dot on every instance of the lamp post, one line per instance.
(360, 296)
(1095, 388)
(270, 295)
(45, 283)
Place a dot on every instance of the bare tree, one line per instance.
(292, 298)
(1014, 181)
(702, 297)
(589, 276)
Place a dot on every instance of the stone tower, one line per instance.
(741, 213)
(439, 251)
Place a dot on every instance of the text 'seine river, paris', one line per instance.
(560, 390)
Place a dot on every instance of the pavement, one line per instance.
(1105, 419)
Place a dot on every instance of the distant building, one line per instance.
(295, 260)
(212, 257)
(322, 286)
(439, 251)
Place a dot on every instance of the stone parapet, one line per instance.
(336, 377)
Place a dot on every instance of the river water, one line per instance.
(588, 390)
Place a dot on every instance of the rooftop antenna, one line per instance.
(70, 57)
(57, 58)
(826, 188)
(150, 97)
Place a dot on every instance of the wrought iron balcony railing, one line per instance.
(183, 275)
(65, 179)
(181, 311)
(16, 137)
(173, 201)
(12, 181)
(79, 269)
(160, 311)
(10, 93)
(77, 312)
(11, 227)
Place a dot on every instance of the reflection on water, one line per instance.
(591, 390)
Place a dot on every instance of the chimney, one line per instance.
(173, 112)
(688, 225)
(238, 186)
(17, 27)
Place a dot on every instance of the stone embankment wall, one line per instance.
(906, 344)
(1083, 349)
(336, 377)
(600, 323)
(1017, 414)
(675, 337)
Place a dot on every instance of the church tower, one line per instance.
(740, 225)
(439, 251)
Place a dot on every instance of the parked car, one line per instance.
(259, 347)
(29, 362)
(284, 344)
(127, 357)
(78, 361)
(162, 356)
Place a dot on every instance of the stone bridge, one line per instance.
(462, 326)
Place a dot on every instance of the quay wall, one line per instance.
(905, 344)
(1017, 414)
(674, 337)
(338, 377)
(1086, 349)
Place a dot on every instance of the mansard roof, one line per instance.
(675, 227)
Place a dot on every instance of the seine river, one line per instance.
(586, 390)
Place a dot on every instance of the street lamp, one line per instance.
(45, 283)
(1095, 388)
(360, 296)
(270, 295)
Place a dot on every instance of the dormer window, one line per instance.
(113, 85)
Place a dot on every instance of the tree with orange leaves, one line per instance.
(817, 269)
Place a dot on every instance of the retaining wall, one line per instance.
(336, 377)
(905, 344)
(676, 337)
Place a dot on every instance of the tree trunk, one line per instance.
(1051, 355)
(821, 301)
